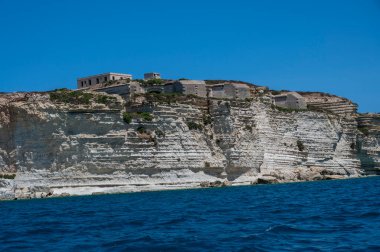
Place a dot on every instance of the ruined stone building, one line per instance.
(94, 80)
(291, 100)
(124, 90)
(187, 87)
(152, 76)
(230, 91)
(113, 83)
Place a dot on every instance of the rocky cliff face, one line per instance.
(369, 142)
(61, 148)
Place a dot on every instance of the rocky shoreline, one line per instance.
(42, 193)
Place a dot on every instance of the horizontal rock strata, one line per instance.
(53, 148)
(369, 142)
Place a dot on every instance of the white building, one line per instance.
(152, 76)
(187, 87)
(230, 90)
(125, 90)
(94, 80)
(291, 100)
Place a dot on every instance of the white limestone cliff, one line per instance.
(61, 148)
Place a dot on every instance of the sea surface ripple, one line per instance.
(341, 215)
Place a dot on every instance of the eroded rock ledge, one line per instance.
(52, 148)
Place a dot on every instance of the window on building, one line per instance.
(105, 78)
(97, 80)
(89, 82)
(113, 77)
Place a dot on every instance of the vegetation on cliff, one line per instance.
(213, 82)
(79, 97)
(7, 176)
(194, 126)
(364, 130)
(129, 116)
(151, 82)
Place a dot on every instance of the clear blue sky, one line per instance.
(325, 45)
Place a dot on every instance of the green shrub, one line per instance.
(160, 133)
(146, 116)
(127, 117)
(61, 89)
(300, 145)
(71, 97)
(154, 82)
(105, 99)
(353, 146)
(7, 176)
(207, 120)
(141, 129)
(248, 128)
(275, 92)
(364, 130)
(194, 126)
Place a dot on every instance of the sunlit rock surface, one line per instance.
(53, 148)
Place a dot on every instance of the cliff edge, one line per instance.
(73, 143)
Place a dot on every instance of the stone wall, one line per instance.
(97, 80)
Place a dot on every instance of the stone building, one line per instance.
(158, 89)
(187, 87)
(152, 76)
(230, 91)
(291, 100)
(124, 90)
(94, 80)
(216, 91)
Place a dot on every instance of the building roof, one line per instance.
(295, 94)
(236, 85)
(192, 82)
(216, 85)
(96, 75)
(240, 85)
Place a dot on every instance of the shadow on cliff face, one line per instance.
(7, 139)
(367, 160)
(234, 172)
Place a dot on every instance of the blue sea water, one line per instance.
(341, 215)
